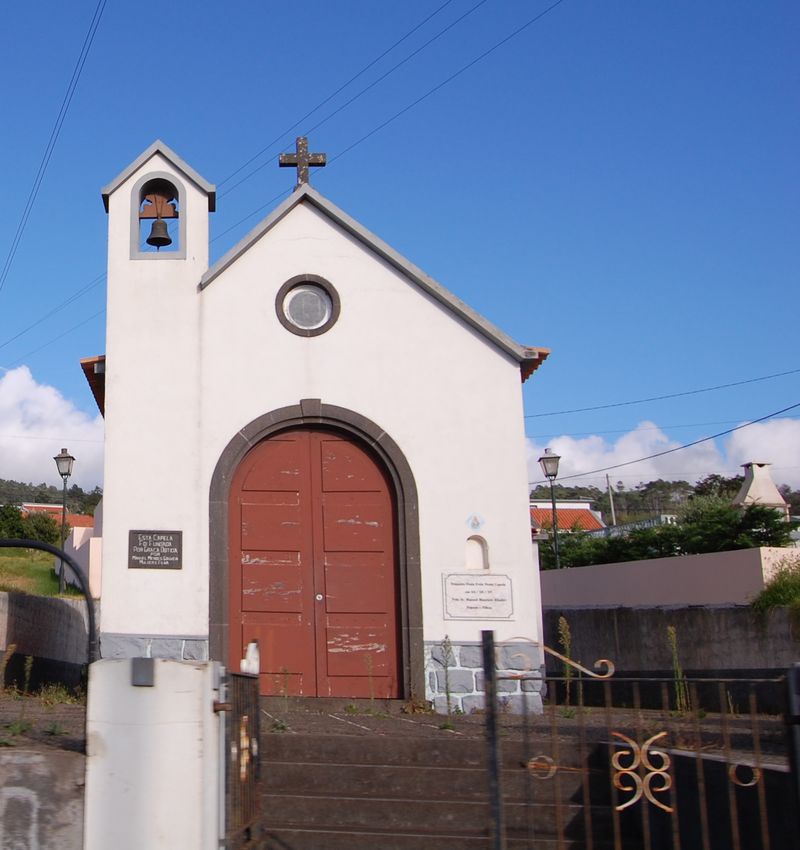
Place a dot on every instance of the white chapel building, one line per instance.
(311, 444)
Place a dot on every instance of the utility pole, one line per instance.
(611, 499)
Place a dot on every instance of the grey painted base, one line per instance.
(177, 647)
(461, 672)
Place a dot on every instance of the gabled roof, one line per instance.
(529, 358)
(568, 519)
(159, 147)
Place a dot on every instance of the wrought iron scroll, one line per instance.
(628, 777)
(601, 663)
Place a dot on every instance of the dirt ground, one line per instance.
(33, 721)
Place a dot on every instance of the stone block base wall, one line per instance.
(175, 647)
(461, 670)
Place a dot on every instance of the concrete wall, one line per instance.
(719, 578)
(54, 631)
(153, 758)
(41, 799)
(711, 639)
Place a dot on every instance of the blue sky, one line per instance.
(618, 182)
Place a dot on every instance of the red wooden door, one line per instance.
(313, 567)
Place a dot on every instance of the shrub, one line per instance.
(783, 589)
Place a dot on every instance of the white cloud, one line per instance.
(36, 422)
(776, 442)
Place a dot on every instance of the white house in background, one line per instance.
(310, 443)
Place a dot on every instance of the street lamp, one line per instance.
(64, 461)
(549, 463)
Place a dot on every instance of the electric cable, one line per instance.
(72, 298)
(675, 448)
(19, 360)
(327, 100)
(54, 134)
(663, 397)
(449, 79)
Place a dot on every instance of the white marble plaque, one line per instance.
(471, 596)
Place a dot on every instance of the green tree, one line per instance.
(11, 522)
(42, 527)
(719, 485)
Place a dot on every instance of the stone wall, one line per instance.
(41, 799)
(461, 670)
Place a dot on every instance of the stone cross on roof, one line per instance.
(301, 160)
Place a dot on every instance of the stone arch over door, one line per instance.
(313, 413)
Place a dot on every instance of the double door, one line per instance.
(313, 567)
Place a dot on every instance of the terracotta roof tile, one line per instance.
(568, 518)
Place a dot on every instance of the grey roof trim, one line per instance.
(305, 193)
(159, 147)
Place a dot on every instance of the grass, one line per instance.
(29, 571)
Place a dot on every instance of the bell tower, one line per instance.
(157, 253)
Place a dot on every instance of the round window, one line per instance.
(307, 305)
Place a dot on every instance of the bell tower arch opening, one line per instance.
(158, 228)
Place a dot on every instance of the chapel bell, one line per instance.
(158, 203)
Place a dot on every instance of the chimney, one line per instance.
(759, 488)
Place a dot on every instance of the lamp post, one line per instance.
(549, 463)
(64, 461)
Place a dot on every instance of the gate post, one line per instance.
(498, 830)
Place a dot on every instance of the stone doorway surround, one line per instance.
(313, 412)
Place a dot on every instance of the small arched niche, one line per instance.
(476, 553)
(157, 226)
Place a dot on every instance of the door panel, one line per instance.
(313, 567)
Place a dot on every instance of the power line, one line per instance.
(662, 397)
(60, 336)
(407, 108)
(636, 429)
(676, 448)
(333, 94)
(54, 134)
(402, 111)
(72, 298)
(449, 79)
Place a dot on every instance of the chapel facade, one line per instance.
(309, 443)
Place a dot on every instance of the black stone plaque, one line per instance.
(155, 550)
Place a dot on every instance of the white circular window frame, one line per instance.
(305, 282)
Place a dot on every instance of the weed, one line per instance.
(565, 639)
(683, 702)
(279, 725)
(18, 727)
(417, 706)
(448, 725)
(351, 709)
(568, 712)
(10, 650)
(285, 688)
(732, 707)
(447, 656)
(368, 660)
(57, 694)
(783, 589)
(26, 688)
(55, 728)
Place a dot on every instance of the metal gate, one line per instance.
(242, 762)
(644, 764)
